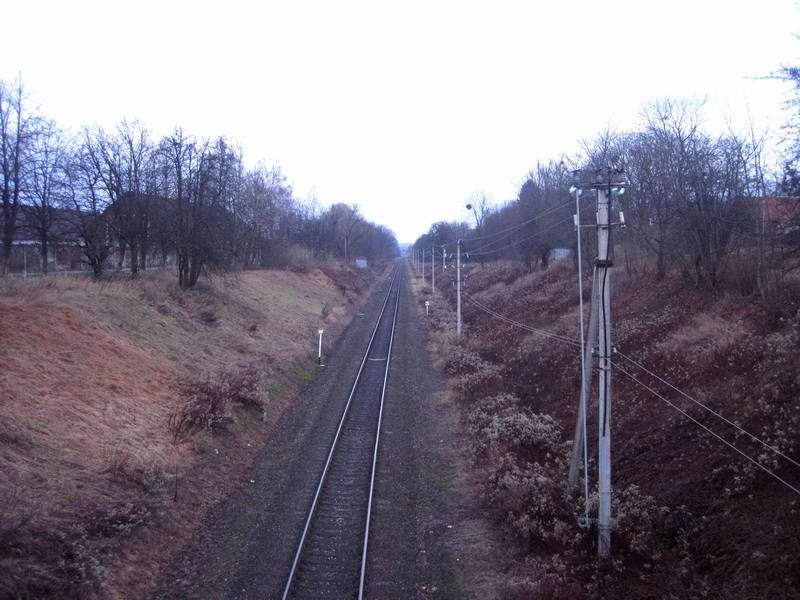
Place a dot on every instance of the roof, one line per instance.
(62, 228)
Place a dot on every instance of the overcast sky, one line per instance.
(404, 108)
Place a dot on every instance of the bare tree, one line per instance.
(346, 227)
(124, 165)
(46, 189)
(89, 217)
(203, 184)
(17, 130)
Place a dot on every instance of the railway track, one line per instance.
(331, 556)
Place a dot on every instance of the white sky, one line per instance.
(404, 108)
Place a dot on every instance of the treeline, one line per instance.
(124, 195)
(709, 206)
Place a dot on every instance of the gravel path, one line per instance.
(245, 548)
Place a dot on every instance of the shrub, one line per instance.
(123, 469)
(205, 404)
(636, 516)
(472, 375)
(549, 577)
(298, 258)
(528, 497)
(37, 559)
(536, 436)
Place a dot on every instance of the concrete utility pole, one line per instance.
(599, 325)
(604, 265)
(458, 288)
(444, 255)
(579, 449)
(433, 271)
(579, 440)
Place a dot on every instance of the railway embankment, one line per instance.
(704, 380)
(130, 409)
(248, 544)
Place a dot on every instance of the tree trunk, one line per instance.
(45, 251)
(661, 267)
(134, 250)
(143, 257)
(5, 256)
(97, 268)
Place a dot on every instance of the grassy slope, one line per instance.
(88, 377)
(715, 525)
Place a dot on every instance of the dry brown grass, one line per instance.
(88, 378)
(683, 500)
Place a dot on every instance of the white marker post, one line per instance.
(319, 350)
(427, 307)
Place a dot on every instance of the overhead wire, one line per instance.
(576, 343)
(508, 232)
(526, 239)
(502, 231)
(516, 243)
(716, 435)
(549, 334)
(709, 409)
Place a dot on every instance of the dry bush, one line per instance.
(551, 578)
(525, 484)
(529, 435)
(14, 435)
(480, 416)
(636, 519)
(205, 404)
(122, 468)
(528, 498)
(472, 376)
(299, 259)
(40, 560)
(209, 317)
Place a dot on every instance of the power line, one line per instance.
(502, 231)
(707, 408)
(512, 244)
(514, 228)
(531, 237)
(699, 424)
(510, 321)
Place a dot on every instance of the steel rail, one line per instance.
(290, 580)
(375, 451)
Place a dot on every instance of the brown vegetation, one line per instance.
(91, 374)
(692, 517)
